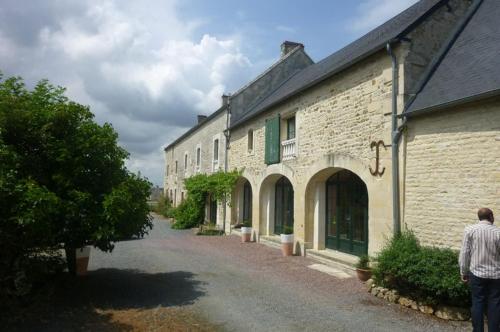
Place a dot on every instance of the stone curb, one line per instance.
(440, 311)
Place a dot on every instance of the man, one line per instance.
(480, 267)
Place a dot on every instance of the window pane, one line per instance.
(216, 149)
(290, 128)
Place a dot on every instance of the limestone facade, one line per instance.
(448, 160)
(452, 169)
(181, 158)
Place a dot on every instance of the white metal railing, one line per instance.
(289, 149)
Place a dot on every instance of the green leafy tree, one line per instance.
(63, 180)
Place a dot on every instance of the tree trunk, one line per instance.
(71, 259)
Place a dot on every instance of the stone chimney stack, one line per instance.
(288, 46)
(201, 118)
(225, 100)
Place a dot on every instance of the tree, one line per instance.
(63, 180)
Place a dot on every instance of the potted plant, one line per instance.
(82, 260)
(246, 231)
(287, 241)
(363, 269)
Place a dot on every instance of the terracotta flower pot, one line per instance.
(287, 244)
(246, 234)
(363, 274)
(82, 260)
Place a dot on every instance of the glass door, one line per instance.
(346, 213)
(283, 213)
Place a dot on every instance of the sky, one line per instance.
(149, 67)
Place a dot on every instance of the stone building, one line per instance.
(399, 129)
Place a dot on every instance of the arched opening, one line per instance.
(241, 202)
(283, 212)
(346, 216)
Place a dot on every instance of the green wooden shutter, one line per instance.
(272, 152)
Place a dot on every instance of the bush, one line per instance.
(188, 214)
(426, 274)
(164, 207)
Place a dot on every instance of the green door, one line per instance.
(346, 213)
(283, 212)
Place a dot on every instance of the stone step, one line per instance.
(335, 259)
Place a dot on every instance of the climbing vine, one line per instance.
(200, 187)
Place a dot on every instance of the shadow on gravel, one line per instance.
(125, 289)
(88, 303)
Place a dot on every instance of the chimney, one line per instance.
(288, 46)
(201, 118)
(225, 100)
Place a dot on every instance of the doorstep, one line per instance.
(334, 258)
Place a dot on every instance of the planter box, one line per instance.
(246, 234)
(287, 244)
(82, 260)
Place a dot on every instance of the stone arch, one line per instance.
(315, 193)
(267, 196)
(240, 199)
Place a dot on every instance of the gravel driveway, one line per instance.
(246, 287)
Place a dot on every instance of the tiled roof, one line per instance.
(470, 68)
(358, 50)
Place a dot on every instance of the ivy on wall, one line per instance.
(191, 212)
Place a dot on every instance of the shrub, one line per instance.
(426, 274)
(188, 214)
(363, 262)
(164, 207)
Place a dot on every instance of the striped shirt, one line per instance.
(480, 253)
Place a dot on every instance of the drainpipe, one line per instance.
(228, 136)
(395, 135)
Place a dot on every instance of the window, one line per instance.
(198, 157)
(185, 161)
(273, 147)
(175, 197)
(167, 170)
(182, 196)
(176, 167)
(290, 128)
(250, 140)
(216, 150)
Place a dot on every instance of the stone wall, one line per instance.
(204, 138)
(335, 123)
(452, 169)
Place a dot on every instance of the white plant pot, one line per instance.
(286, 238)
(287, 244)
(246, 234)
(82, 260)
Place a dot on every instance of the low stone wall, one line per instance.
(440, 311)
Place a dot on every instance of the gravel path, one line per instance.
(245, 287)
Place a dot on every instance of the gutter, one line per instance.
(395, 136)
(227, 135)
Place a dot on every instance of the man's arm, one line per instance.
(464, 258)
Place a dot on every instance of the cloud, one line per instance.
(371, 13)
(139, 69)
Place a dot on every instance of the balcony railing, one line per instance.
(289, 149)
